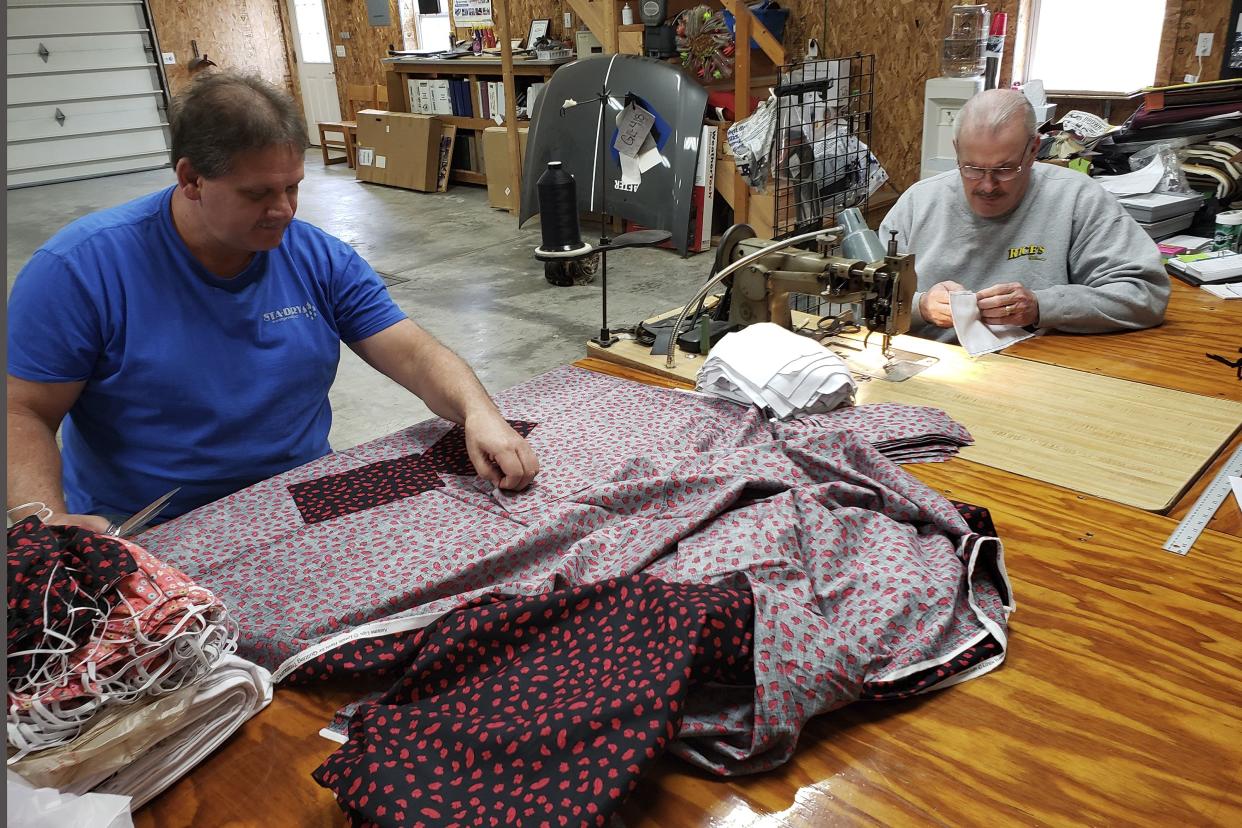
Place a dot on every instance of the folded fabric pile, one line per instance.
(120, 675)
(902, 433)
(1212, 166)
(777, 370)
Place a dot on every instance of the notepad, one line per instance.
(1217, 269)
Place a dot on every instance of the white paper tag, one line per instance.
(649, 155)
(366, 156)
(631, 172)
(633, 127)
(381, 161)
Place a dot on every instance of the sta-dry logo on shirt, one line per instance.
(1034, 252)
(307, 311)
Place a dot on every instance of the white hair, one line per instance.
(992, 110)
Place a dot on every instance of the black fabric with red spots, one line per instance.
(977, 518)
(541, 710)
(375, 484)
(52, 568)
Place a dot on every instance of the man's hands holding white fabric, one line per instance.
(1008, 304)
(934, 304)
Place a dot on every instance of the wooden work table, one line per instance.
(1120, 700)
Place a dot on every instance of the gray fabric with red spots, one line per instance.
(861, 575)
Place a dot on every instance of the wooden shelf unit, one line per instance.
(477, 71)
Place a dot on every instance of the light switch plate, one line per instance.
(568, 21)
(340, 50)
(1203, 47)
(169, 57)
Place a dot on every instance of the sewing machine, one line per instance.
(883, 287)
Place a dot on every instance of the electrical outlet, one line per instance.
(345, 35)
(1190, 79)
(1203, 47)
(340, 50)
(948, 117)
(568, 21)
(169, 57)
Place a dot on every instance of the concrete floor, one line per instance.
(459, 268)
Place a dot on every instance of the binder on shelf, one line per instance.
(426, 102)
(440, 89)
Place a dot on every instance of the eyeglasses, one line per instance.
(998, 173)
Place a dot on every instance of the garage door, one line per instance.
(86, 94)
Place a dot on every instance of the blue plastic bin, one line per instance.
(770, 15)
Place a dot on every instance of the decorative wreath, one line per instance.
(705, 43)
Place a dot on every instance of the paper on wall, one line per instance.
(467, 13)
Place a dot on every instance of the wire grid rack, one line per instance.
(821, 159)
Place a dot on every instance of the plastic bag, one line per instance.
(1173, 180)
(31, 807)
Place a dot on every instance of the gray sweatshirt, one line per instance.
(1089, 264)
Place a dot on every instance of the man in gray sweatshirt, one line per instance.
(1039, 245)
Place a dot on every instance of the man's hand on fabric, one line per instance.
(500, 455)
(1008, 304)
(934, 304)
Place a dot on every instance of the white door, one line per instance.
(314, 56)
(85, 93)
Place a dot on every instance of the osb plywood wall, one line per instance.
(365, 45)
(1184, 20)
(240, 35)
(905, 37)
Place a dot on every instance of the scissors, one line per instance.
(141, 518)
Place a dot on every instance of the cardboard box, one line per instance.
(400, 149)
(496, 164)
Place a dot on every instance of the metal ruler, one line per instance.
(1188, 531)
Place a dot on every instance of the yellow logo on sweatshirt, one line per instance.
(1034, 251)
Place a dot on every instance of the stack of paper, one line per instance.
(775, 369)
(1218, 266)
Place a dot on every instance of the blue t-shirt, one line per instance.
(191, 380)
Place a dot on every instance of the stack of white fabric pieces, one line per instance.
(768, 366)
(140, 750)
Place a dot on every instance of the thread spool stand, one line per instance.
(637, 238)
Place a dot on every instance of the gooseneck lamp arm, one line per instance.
(670, 361)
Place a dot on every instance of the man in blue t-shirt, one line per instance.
(189, 338)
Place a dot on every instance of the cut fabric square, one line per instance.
(384, 481)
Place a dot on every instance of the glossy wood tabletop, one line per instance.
(1120, 702)
(1173, 355)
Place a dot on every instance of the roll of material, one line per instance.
(558, 209)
